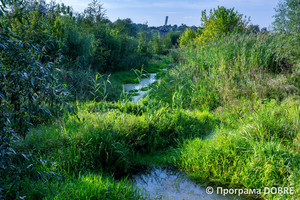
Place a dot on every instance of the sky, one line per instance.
(153, 12)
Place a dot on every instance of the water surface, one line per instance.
(145, 82)
(167, 184)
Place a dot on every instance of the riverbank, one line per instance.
(225, 125)
(106, 140)
(121, 138)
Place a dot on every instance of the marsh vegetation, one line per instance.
(225, 111)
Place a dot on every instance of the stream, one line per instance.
(166, 184)
(144, 82)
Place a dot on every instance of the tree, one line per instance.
(187, 37)
(30, 93)
(287, 17)
(174, 36)
(143, 46)
(157, 47)
(287, 23)
(95, 12)
(126, 26)
(253, 28)
(221, 21)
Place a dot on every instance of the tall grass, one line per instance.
(262, 152)
(227, 68)
(85, 186)
(232, 87)
(108, 138)
(241, 79)
(108, 135)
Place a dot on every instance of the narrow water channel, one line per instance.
(166, 184)
(145, 82)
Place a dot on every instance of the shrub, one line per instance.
(220, 21)
(30, 94)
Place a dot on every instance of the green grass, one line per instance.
(87, 186)
(226, 114)
(110, 138)
(256, 143)
(155, 66)
(125, 77)
(133, 92)
(261, 152)
(146, 88)
(133, 75)
(161, 158)
(252, 148)
(229, 68)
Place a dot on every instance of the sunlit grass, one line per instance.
(109, 138)
(84, 186)
(259, 153)
(218, 115)
(239, 66)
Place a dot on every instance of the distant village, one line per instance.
(162, 30)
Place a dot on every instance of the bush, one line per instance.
(30, 94)
(78, 46)
(189, 36)
(219, 22)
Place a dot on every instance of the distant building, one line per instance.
(163, 31)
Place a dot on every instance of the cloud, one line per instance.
(259, 10)
(77, 5)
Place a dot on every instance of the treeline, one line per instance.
(218, 22)
(49, 53)
(83, 44)
(86, 39)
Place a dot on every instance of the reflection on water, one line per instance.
(145, 82)
(167, 184)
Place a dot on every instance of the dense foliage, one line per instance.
(250, 81)
(232, 67)
(219, 22)
(226, 110)
(286, 23)
(30, 93)
(49, 54)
